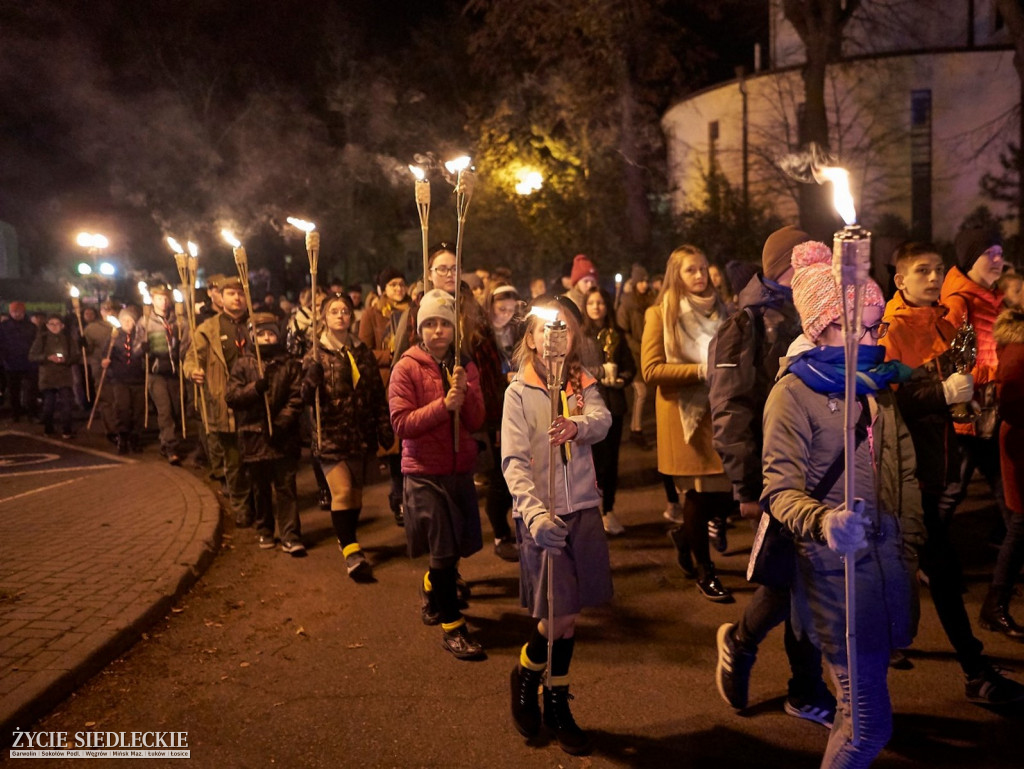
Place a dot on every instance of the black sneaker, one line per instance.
(294, 548)
(399, 513)
(821, 708)
(990, 687)
(461, 644)
(324, 499)
(717, 528)
(358, 567)
(732, 673)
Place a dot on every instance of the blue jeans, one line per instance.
(873, 706)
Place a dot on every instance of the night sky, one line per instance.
(136, 118)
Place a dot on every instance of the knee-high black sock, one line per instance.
(561, 656)
(536, 648)
(345, 522)
(446, 599)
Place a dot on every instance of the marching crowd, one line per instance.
(448, 388)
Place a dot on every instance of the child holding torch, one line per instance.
(563, 553)
(429, 385)
(804, 479)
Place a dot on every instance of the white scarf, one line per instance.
(691, 338)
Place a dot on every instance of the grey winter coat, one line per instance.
(803, 434)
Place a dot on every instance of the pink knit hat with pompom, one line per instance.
(815, 293)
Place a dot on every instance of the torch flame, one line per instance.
(230, 238)
(546, 314)
(302, 224)
(193, 249)
(113, 321)
(458, 164)
(418, 173)
(75, 293)
(841, 197)
(175, 245)
(178, 298)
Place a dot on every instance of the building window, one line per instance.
(921, 164)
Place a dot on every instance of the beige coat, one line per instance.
(675, 455)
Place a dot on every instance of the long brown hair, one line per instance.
(673, 287)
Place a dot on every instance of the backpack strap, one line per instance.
(828, 480)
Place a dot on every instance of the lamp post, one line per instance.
(94, 244)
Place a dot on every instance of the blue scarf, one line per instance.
(823, 369)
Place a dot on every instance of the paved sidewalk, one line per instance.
(89, 561)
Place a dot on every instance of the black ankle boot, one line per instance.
(325, 499)
(122, 443)
(558, 718)
(995, 614)
(525, 684)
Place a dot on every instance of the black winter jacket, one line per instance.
(284, 379)
(743, 362)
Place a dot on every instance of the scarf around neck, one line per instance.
(823, 369)
(687, 342)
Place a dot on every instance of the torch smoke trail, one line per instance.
(805, 166)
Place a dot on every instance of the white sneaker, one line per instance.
(612, 526)
(674, 513)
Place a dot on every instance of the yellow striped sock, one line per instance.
(426, 582)
(350, 549)
(558, 681)
(450, 626)
(529, 664)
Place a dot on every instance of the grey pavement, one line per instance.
(92, 554)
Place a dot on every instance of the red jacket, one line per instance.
(969, 301)
(416, 394)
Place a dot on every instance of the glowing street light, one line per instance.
(529, 182)
(92, 241)
(106, 268)
(84, 269)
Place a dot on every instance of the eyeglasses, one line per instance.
(877, 331)
(444, 271)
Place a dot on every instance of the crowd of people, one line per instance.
(451, 388)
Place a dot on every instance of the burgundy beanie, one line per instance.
(778, 250)
(582, 267)
(815, 293)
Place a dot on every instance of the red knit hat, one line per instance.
(582, 267)
(815, 292)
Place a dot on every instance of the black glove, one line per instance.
(262, 385)
(315, 375)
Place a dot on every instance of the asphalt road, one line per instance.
(273, 660)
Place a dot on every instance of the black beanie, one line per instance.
(387, 275)
(972, 243)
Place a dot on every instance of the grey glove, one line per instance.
(549, 532)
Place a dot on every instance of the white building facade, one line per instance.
(922, 105)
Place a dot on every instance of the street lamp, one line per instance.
(529, 182)
(106, 268)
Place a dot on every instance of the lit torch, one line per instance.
(423, 206)
(76, 304)
(556, 347)
(618, 289)
(115, 326)
(179, 311)
(313, 254)
(464, 183)
(187, 265)
(242, 264)
(851, 260)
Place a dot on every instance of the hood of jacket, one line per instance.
(1009, 328)
(957, 282)
(757, 294)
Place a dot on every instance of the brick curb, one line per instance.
(166, 571)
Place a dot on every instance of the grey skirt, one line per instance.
(582, 573)
(442, 516)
